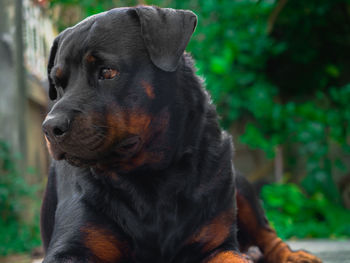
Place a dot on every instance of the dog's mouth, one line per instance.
(121, 151)
(129, 146)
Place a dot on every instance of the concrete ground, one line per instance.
(328, 251)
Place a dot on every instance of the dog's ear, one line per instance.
(52, 89)
(166, 33)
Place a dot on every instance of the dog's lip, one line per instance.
(129, 145)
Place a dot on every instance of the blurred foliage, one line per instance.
(16, 234)
(294, 215)
(74, 10)
(280, 67)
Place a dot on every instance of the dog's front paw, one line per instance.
(301, 256)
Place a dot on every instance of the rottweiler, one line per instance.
(142, 171)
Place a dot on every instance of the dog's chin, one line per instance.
(60, 155)
(79, 162)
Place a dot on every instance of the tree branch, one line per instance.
(274, 15)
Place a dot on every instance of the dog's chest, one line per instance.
(150, 229)
(138, 226)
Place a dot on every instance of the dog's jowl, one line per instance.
(142, 172)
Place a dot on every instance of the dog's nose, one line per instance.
(56, 126)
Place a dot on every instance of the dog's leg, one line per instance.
(81, 235)
(254, 230)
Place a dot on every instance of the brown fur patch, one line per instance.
(263, 237)
(216, 232)
(148, 89)
(228, 257)
(125, 123)
(246, 214)
(103, 244)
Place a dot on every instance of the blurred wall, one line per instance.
(9, 129)
(20, 125)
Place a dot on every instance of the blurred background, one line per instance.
(278, 71)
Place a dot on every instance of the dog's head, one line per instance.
(113, 85)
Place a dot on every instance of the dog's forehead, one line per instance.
(109, 30)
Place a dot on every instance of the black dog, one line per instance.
(143, 172)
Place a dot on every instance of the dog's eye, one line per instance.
(108, 73)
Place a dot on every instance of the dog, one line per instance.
(141, 170)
